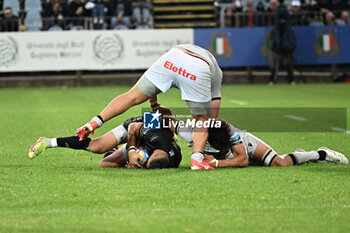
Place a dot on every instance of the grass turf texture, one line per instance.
(63, 190)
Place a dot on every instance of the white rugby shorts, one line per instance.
(191, 75)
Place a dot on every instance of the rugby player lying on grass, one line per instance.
(160, 144)
(243, 149)
(230, 147)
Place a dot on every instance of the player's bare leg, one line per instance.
(116, 159)
(215, 108)
(270, 158)
(123, 102)
(103, 144)
(199, 138)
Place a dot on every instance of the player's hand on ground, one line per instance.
(89, 128)
(129, 165)
(134, 159)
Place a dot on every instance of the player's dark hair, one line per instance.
(219, 137)
(162, 162)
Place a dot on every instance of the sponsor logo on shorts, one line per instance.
(181, 71)
(151, 120)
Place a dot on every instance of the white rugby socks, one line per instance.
(197, 156)
(51, 142)
(303, 157)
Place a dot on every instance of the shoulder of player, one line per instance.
(236, 138)
(232, 129)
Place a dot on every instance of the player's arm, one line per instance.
(170, 121)
(133, 139)
(240, 158)
(153, 103)
(155, 106)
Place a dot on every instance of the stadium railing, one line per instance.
(235, 20)
(267, 19)
(311, 18)
(67, 23)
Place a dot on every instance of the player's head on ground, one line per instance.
(159, 159)
(219, 137)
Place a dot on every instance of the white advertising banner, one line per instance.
(87, 50)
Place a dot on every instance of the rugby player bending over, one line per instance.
(191, 69)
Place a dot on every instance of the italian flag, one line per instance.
(220, 45)
(326, 42)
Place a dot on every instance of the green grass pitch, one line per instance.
(64, 190)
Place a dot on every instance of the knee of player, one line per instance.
(96, 147)
(271, 158)
(280, 162)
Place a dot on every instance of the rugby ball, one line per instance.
(143, 153)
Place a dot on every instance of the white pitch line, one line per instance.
(297, 118)
(239, 102)
(340, 130)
